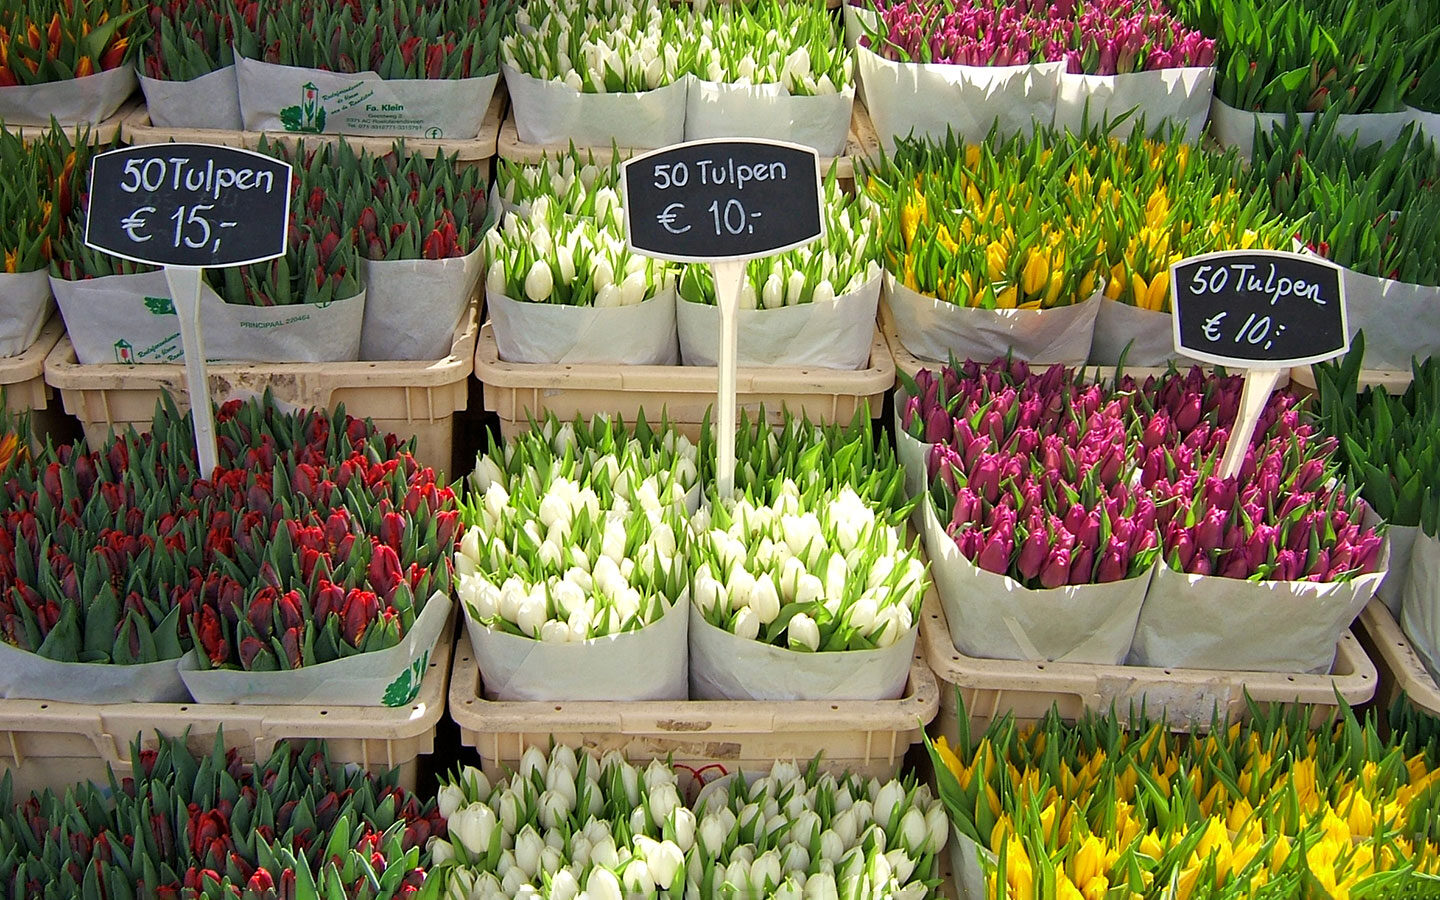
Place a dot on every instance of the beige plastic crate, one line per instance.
(863, 142)
(22, 379)
(869, 737)
(1188, 697)
(1400, 669)
(48, 744)
(137, 129)
(406, 398)
(101, 133)
(515, 391)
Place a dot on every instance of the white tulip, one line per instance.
(832, 847)
(765, 872)
(441, 850)
(662, 801)
(765, 600)
(803, 632)
(530, 616)
(804, 826)
(449, 799)
(603, 853)
(846, 825)
(512, 881)
(602, 884)
(713, 833)
(579, 851)
(682, 825)
(608, 581)
(737, 875)
(748, 297)
(608, 297)
(824, 292)
(637, 880)
(508, 810)
(796, 858)
(809, 589)
(633, 289)
(630, 782)
(528, 847)
(539, 282)
(554, 808)
(579, 575)
(746, 624)
(862, 613)
(707, 593)
(791, 571)
(739, 584)
(772, 294)
(473, 826)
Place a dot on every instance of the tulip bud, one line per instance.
(539, 282)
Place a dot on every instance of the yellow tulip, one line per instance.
(943, 238)
(995, 258)
(1087, 284)
(1140, 292)
(1096, 888)
(1361, 816)
(1065, 889)
(1088, 860)
(1007, 298)
(952, 762)
(1019, 876)
(1035, 275)
(1159, 290)
(12, 258)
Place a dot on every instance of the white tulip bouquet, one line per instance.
(579, 827)
(574, 181)
(842, 262)
(598, 47)
(553, 257)
(792, 44)
(811, 571)
(575, 565)
(578, 532)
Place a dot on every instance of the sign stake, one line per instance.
(188, 208)
(729, 275)
(1259, 385)
(184, 282)
(723, 202)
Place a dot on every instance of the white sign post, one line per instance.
(724, 202)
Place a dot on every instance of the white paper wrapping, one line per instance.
(1209, 622)
(24, 307)
(1149, 335)
(716, 110)
(927, 99)
(640, 335)
(934, 329)
(1181, 96)
(314, 101)
(833, 335)
(210, 101)
(25, 675)
(995, 617)
(965, 856)
(1402, 546)
(388, 677)
(857, 21)
(1233, 127)
(1426, 123)
(1400, 320)
(649, 664)
(129, 319)
(726, 667)
(551, 112)
(1420, 613)
(413, 306)
(914, 455)
(78, 101)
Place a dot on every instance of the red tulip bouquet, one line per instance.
(187, 67)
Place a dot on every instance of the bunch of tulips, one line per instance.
(1091, 37)
(1264, 809)
(1046, 221)
(43, 41)
(209, 826)
(1052, 481)
(38, 191)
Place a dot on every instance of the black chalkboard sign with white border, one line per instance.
(192, 205)
(1258, 309)
(711, 200)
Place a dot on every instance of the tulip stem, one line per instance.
(184, 283)
(729, 274)
(1259, 385)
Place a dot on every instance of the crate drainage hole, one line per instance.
(1289, 677)
(44, 706)
(558, 708)
(1167, 671)
(324, 712)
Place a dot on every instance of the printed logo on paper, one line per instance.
(309, 116)
(406, 686)
(160, 306)
(124, 352)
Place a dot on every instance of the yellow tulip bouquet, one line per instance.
(1043, 222)
(1269, 808)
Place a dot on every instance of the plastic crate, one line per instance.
(1393, 381)
(22, 378)
(1400, 669)
(1188, 697)
(48, 744)
(862, 143)
(723, 736)
(516, 391)
(406, 398)
(101, 133)
(475, 151)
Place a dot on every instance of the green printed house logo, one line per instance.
(309, 116)
(124, 352)
(406, 686)
(160, 306)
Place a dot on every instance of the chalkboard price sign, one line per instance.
(1258, 309)
(722, 199)
(193, 205)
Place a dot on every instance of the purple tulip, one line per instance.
(1056, 570)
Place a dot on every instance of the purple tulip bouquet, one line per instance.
(1089, 522)
(1073, 62)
